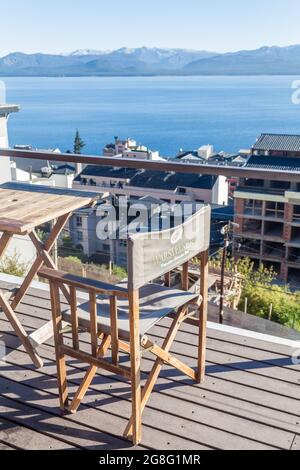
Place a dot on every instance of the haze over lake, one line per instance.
(165, 113)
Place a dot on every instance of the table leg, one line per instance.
(42, 258)
(4, 241)
(21, 333)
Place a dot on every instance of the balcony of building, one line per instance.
(296, 215)
(293, 256)
(273, 251)
(253, 208)
(248, 248)
(273, 231)
(274, 210)
(295, 237)
(278, 185)
(251, 227)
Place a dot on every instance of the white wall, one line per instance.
(220, 191)
(5, 174)
(20, 245)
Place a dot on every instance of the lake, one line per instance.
(165, 113)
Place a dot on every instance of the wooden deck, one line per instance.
(250, 400)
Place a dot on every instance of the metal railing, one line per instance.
(168, 165)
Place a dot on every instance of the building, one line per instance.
(167, 186)
(130, 149)
(118, 147)
(20, 246)
(268, 212)
(60, 176)
(142, 185)
(5, 111)
(83, 230)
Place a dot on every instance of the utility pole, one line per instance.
(226, 231)
(224, 256)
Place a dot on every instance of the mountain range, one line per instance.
(154, 61)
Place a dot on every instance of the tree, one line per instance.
(79, 144)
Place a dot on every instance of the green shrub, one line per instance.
(13, 265)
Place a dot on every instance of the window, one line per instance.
(78, 221)
(79, 236)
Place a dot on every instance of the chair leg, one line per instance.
(158, 364)
(89, 376)
(203, 318)
(135, 359)
(58, 341)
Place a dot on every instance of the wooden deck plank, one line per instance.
(243, 350)
(252, 349)
(28, 406)
(21, 437)
(235, 408)
(274, 360)
(242, 340)
(260, 363)
(248, 428)
(172, 422)
(5, 446)
(216, 370)
(296, 443)
(89, 416)
(229, 397)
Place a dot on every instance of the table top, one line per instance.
(24, 207)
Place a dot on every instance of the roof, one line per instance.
(151, 179)
(274, 163)
(64, 170)
(278, 142)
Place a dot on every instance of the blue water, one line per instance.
(165, 113)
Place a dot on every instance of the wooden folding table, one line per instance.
(23, 208)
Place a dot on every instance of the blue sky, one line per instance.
(218, 25)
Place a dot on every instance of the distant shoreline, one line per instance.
(168, 75)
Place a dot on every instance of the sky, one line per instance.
(60, 26)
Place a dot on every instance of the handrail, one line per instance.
(159, 165)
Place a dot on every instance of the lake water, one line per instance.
(165, 113)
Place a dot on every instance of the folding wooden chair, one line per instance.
(120, 317)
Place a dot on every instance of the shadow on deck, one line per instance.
(250, 399)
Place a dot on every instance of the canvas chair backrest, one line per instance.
(153, 254)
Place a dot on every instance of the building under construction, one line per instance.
(268, 212)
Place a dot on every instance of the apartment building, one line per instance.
(129, 148)
(268, 212)
(146, 186)
(167, 186)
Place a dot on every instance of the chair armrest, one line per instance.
(82, 282)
